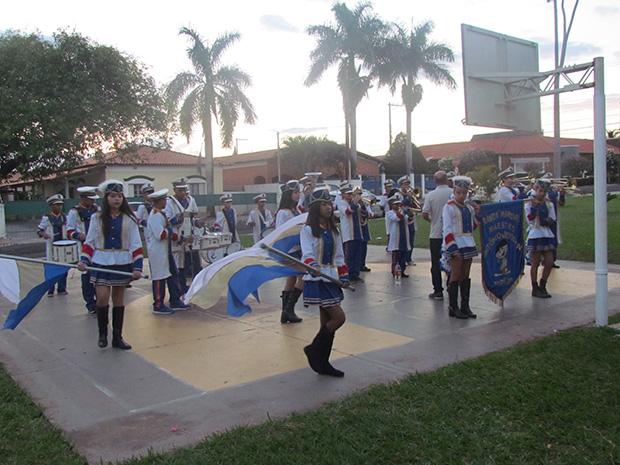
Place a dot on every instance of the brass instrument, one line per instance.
(414, 194)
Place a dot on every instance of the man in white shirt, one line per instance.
(431, 212)
(507, 192)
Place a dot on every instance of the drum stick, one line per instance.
(68, 265)
(309, 268)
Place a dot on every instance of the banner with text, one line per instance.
(503, 251)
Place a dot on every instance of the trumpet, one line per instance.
(368, 202)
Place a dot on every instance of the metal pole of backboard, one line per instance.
(600, 194)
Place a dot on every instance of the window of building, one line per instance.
(135, 185)
(197, 186)
(259, 180)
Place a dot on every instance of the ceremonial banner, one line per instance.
(242, 273)
(24, 284)
(503, 252)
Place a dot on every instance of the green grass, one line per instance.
(550, 401)
(26, 437)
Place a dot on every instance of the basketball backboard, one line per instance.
(491, 63)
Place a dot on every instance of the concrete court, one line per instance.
(198, 372)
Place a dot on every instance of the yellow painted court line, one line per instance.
(211, 350)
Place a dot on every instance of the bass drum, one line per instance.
(213, 255)
(265, 232)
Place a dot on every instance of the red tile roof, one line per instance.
(149, 156)
(504, 143)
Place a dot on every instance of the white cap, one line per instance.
(160, 194)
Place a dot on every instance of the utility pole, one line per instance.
(390, 105)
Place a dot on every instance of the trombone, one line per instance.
(414, 194)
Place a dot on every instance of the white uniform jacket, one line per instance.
(221, 223)
(392, 220)
(255, 217)
(157, 238)
(131, 245)
(312, 253)
(45, 226)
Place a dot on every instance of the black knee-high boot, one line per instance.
(313, 351)
(118, 315)
(453, 294)
(288, 314)
(284, 296)
(102, 323)
(327, 341)
(465, 288)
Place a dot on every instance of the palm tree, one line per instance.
(211, 91)
(404, 58)
(349, 43)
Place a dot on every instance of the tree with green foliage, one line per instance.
(396, 158)
(404, 58)
(349, 43)
(67, 97)
(473, 159)
(212, 91)
(304, 154)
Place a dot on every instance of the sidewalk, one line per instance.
(203, 371)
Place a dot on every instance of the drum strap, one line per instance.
(263, 219)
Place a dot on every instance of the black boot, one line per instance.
(102, 323)
(465, 288)
(453, 294)
(543, 288)
(313, 351)
(288, 314)
(285, 295)
(326, 350)
(118, 315)
(537, 291)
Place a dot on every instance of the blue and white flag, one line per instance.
(242, 273)
(503, 256)
(24, 283)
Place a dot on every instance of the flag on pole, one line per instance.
(24, 283)
(242, 273)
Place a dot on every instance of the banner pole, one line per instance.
(67, 265)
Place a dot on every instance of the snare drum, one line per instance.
(208, 241)
(225, 238)
(65, 251)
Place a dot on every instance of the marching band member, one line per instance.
(78, 221)
(307, 184)
(180, 211)
(112, 243)
(365, 228)
(388, 186)
(144, 210)
(507, 192)
(52, 228)
(259, 218)
(540, 215)
(459, 221)
(294, 284)
(159, 238)
(226, 219)
(351, 217)
(404, 184)
(397, 221)
(322, 249)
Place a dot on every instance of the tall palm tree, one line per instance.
(406, 57)
(211, 92)
(350, 43)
